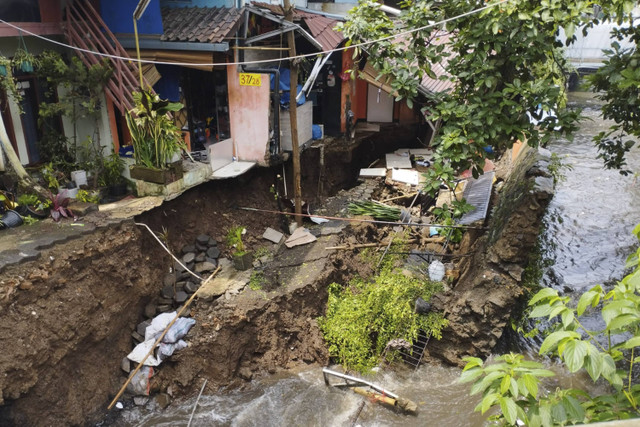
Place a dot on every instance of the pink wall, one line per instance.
(249, 117)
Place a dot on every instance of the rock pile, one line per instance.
(202, 258)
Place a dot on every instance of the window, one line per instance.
(20, 10)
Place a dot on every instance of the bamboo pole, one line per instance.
(399, 197)
(377, 397)
(366, 245)
(184, 307)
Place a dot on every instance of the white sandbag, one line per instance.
(158, 324)
(140, 383)
(166, 350)
(178, 330)
(141, 350)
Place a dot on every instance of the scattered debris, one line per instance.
(373, 172)
(301, 236)
(411, 177)
(398, 162)
(378, 394)
(272, 235)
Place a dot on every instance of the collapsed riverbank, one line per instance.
(90, 293)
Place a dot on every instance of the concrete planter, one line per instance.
(158, 176)
(243, 262)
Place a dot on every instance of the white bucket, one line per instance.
(79, 177)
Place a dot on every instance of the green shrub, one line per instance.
(364, 316)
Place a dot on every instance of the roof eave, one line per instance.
(128, 42)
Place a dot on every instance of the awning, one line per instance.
(369, 74)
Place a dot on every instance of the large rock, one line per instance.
(189, 257)
(205, 266)
(203, 239)
(213, 252)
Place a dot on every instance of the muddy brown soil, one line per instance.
(66, 319)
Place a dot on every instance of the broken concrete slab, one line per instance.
(272, 235)
(332, 227)
(411, 177)
(205, 266)
(373, 172)
(227, 278)
(301, 236)
(82, 208)
(397, 162)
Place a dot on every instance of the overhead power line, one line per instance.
(261, 61)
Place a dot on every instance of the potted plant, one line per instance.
(59, 209)
(5, 66)
(23, 60)
(242, 259)
(31, 205)
(155, 138)
(112, 175)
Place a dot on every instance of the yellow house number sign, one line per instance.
(250, 79)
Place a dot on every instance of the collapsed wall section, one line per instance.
(481, 304)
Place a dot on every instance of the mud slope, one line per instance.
(65, 322)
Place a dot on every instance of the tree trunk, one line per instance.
(14, 164)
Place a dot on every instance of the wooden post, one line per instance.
(293, 114)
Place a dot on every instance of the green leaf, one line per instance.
(470, 375)
(622, 321)
(509, 409)
(488, 401)
(567, 317)
(542, 294)
(573, 408)
(574, 353)
(593, 365)
(505, 383)
(632, 342)
(553, 339)
(532, 384)
(585, 300)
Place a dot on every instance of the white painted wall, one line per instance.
(86, 127)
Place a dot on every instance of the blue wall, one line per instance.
(199, 3)
(118, 15)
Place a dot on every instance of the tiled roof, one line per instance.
(320, 27)
(436, 85)
(199, 24)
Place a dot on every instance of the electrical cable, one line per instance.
(370, 221)
(261, 61)
(168, 251)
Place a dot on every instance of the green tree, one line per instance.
(505, 61)
(611, 354)
(618, 84)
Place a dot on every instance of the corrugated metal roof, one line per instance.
(320, 26)
(477, 192)
(199, 24)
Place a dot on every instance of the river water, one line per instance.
(587, 236)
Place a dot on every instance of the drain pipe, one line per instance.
(274, 148)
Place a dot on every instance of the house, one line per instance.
(222, 60)
(23, 21)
